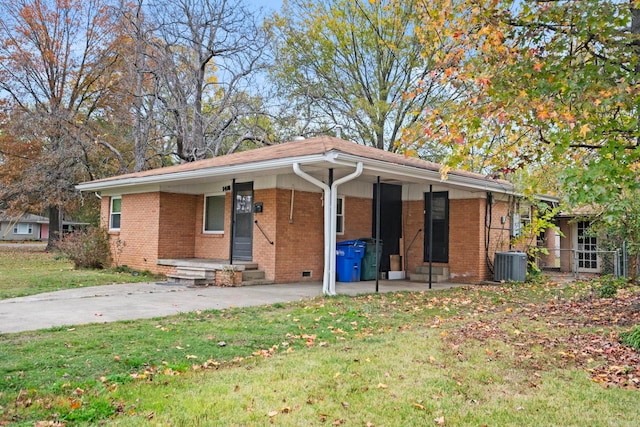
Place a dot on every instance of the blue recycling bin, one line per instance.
(348, 260)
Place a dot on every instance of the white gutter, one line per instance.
(327, 226)
(330, 222)
(334, 223)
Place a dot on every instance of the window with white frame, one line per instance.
(114, 213)
(23, 229)
(214, 213)
(340, 216)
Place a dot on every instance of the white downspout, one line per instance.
(327, 226)
(334, 223)
(330, 223)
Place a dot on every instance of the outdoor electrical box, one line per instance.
(257, 207)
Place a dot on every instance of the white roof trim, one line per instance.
(200, 173)
(377, 167)
(382, 167)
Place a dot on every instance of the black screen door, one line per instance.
(390, 221)
(243, 221)
(440, 226)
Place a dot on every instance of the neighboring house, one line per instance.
(24, 227)
(579, 248)
(284, 207)
(30, 227)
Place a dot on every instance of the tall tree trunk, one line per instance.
(54, 227)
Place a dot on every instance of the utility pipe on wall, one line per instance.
(291, 207)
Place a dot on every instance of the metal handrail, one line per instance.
(263, 233)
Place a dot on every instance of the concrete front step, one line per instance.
(435, 278)
(256, 282)
(204, 276)
(189, 280)
(199, 272)
(439, 274)
(246, 265)
(203, 272)
(248, 275)
(436, 269)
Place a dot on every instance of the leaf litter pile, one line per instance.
(581, 331)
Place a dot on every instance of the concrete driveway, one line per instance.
(111, 303)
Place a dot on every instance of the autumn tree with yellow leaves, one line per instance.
(552, 88)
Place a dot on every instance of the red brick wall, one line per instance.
(176, 238)
(466, 240)
(152, 226)
(264, 253)
(139, 227)
(214, 246)
(358, 215)
(413, 220)
(104, 211)
(167, 225)
(500, 233)
(467, 254)
(300, 243)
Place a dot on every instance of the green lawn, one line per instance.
(28, 271)
(525, 355)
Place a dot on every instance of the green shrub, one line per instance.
(87, 248)
(607, 286)
(608, 290)
(631, 338)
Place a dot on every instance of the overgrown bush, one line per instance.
(87, 248)
(631, 338)
(607, 286)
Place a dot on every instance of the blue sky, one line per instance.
(268, 5)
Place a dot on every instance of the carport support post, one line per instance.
(233, 219)
(430, 234)
(330, 222)
(377, 232)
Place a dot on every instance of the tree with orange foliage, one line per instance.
(55, 61)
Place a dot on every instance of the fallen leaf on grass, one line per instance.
(439, 421)
(273, 413)
(75, 404)
(419, 406)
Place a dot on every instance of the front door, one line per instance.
(243, 221)
(390, 220)
(437, 216)
(586, 246)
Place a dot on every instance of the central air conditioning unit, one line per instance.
(510, 267)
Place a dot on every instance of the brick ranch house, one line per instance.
(282, 208)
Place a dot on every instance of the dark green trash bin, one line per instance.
(369, 266)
